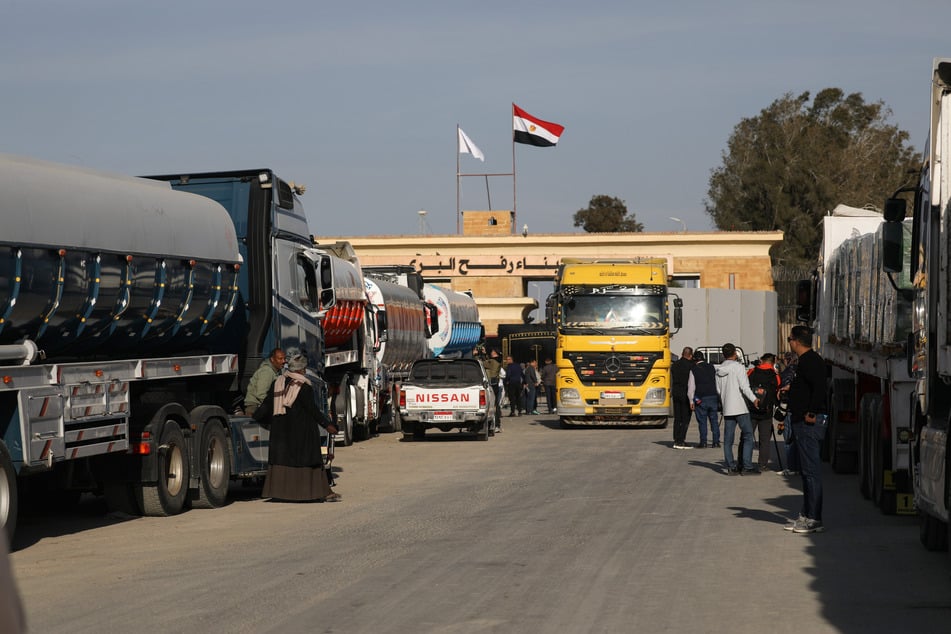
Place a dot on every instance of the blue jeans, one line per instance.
(808, 441)
(792, 452)
(706, 411)
(530, 398)
(729, 431)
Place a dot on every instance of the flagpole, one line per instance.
(458, 147)
(514, 179)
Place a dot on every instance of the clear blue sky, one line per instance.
(360, 100)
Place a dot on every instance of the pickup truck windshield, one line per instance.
(463, 370)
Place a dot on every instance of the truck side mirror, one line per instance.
(678, 313)
(894, 210)
(805, 311)
(892, 246)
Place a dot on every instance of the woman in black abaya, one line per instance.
(295, 465)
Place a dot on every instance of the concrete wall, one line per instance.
(714, 316)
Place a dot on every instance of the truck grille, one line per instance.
(617, 368)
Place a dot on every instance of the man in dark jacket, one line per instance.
(704, 401)
(807, 414)
(514, 382)
(679, 377)
(764, 380)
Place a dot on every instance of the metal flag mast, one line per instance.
(486, 175)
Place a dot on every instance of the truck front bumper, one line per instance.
(614, 415)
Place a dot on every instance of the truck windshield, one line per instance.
(629, 312)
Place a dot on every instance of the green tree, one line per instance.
(796, 161)
(606, 214)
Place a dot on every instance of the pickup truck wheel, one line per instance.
(8, 494)
(214, 464)
(167, 496)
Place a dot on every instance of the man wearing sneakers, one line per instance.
(733, 385)
(702, 392)
(807, 414)
(679, 376)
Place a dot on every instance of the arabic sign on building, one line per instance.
(486, 265)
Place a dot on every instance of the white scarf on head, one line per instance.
(286, 388)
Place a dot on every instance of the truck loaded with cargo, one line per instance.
(862, 317)
(132, 313)
(928, 411)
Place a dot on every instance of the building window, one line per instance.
(689, 280)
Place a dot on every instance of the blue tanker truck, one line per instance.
(133, 311)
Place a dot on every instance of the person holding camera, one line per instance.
(784, 427)
(807, 415)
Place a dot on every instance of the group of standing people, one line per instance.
(747, 398)
(521, 383)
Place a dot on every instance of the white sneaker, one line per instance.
(792, 523)
(808, 526)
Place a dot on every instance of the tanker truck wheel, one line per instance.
(167, 496)
(8, 494)
(214, 464)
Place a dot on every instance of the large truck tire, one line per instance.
(842, 400)
(886, 499)
(932, 532)
(214, 467)
(390, 416)
(168, 495)
(9, 499)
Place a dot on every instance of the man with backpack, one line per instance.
(764, 381)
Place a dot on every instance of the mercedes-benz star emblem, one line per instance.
(612, 364)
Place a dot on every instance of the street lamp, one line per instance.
(682, 223)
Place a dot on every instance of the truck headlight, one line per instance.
(569, 396)
(655, 396)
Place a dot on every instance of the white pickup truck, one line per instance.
(447, 394)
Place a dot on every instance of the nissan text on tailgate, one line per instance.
(447, 394)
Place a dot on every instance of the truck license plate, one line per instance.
(442, 415)
(606, 396)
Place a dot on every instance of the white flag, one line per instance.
(466, 146)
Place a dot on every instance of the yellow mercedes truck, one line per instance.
(613, 341)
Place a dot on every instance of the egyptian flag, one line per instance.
(534, 131)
